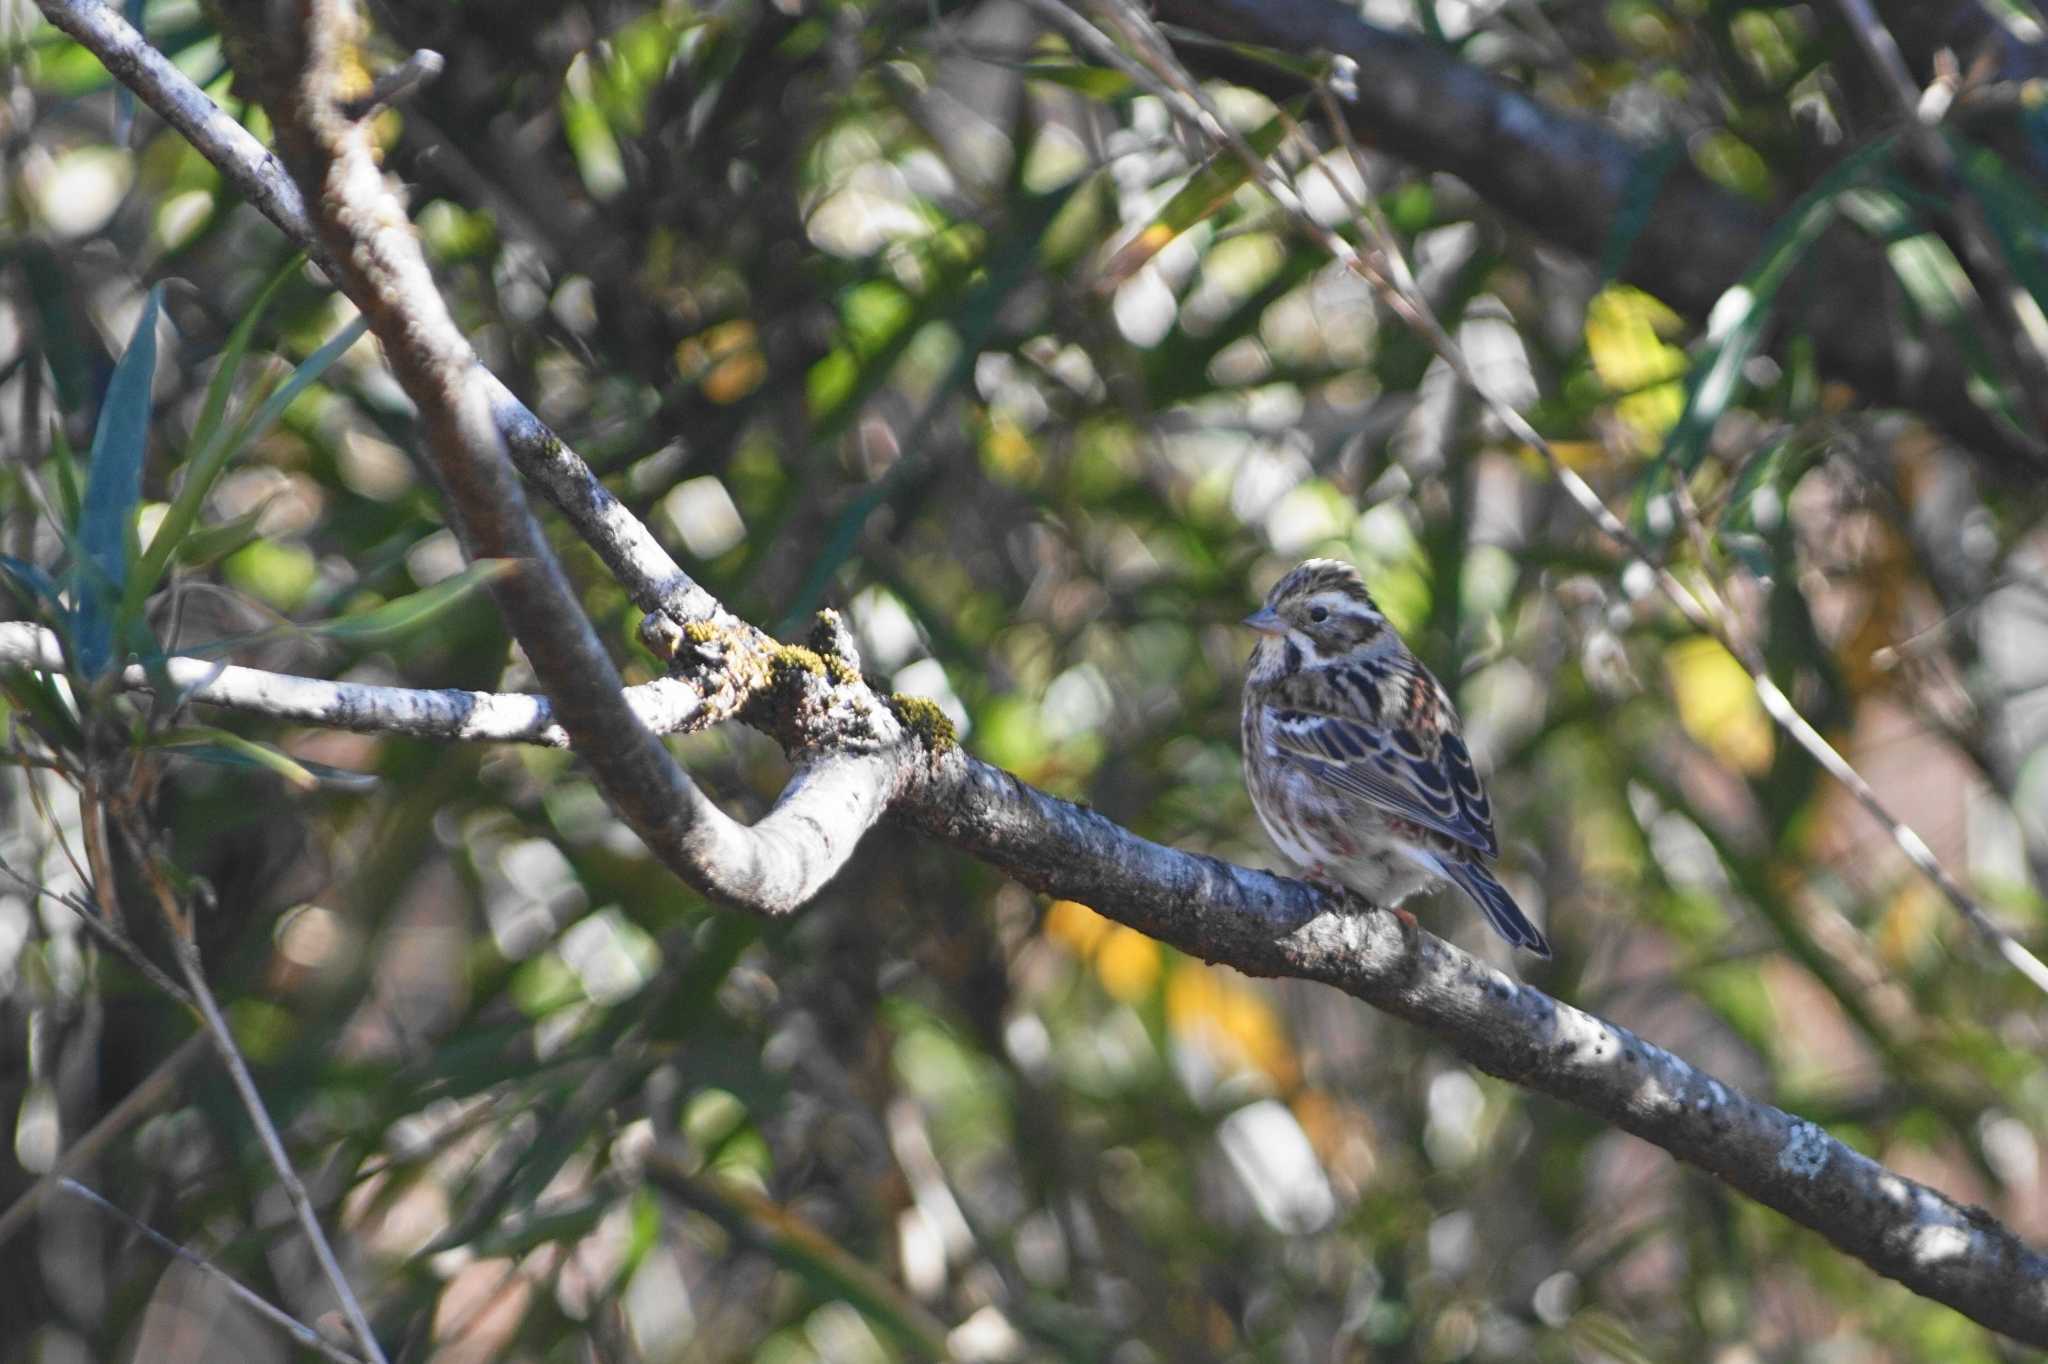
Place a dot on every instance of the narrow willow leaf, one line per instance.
(206, 466)
(65, 461)
(208, 544)
(209, 426)
(37, 698)
(1096, 82)
(124, 98)
(33, 581)
(113, 487)
(1210, 187)
(2015, 209)
(225, 748)
(395, 620)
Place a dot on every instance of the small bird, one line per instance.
(1353, 757)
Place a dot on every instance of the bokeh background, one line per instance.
(840, 297)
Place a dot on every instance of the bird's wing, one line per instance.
(1389, 738)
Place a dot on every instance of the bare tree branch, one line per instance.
(1386, 270)
(666, 705)
(1272, 926)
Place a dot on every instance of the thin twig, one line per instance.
(108, 930)
(418, 71)
(187, 950)
(44, 811)
(291, 1325)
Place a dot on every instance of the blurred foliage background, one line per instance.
(832, 294)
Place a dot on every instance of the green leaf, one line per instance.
(65, 460)
(1096, 82)
(206, 743)
(124, 98)
(2014, 208)
(395, 620)
(1212, 186)
(380, 625)
(55, 294)
(208, 428)
(210, 543)
(35, 696)
(205, 467)
(113, 487)
(1646, 176)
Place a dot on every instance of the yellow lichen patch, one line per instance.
(795, 658)
(1211, 1009)
(924, 719)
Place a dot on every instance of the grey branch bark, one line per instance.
(1422, 104)
(863, 759)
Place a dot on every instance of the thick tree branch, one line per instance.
(1420, 103)
(1265, 925)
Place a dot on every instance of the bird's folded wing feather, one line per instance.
(1419, 770)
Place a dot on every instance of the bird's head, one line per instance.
(1318, 613)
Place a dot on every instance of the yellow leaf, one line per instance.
(1075, 926)
(1908, 930)
(1008, 454)
(725, 359)
(1204, 1004)
(1127, 963)
(1717, 704)
(1625, 330)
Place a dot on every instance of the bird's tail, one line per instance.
(1494, 901)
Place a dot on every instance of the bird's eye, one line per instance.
(1319, 614)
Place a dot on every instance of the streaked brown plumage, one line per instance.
(1353, 757)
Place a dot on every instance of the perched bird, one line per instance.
(1353, 756)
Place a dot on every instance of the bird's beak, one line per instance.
(1266, 621)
